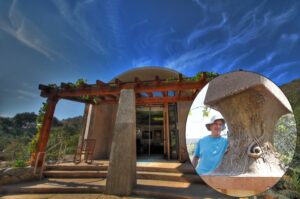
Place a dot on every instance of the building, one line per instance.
(140, 113)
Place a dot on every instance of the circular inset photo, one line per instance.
(241, 134)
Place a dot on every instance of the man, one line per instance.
(210, 149)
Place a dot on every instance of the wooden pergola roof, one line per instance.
(147, 92)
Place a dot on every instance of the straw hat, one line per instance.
(213, 119)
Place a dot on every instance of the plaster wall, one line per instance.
(182, 111)
(101, 126)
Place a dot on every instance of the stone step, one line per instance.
(76, 167)
(167, 176)
(74, 174)
(140, 167)
(144, 187)
(164, 176)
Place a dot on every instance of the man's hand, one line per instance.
(195, 161)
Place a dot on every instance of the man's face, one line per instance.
(216, 127)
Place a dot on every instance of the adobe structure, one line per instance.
(140, 113)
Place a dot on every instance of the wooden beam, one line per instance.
(178, 93)
(137, 81)
(165, 93)
(118, 82)
(150, 94)
(77, 99)
(138, 95)
(180, 78)
(157, 80)
(167, 129)
(100, 84)
(161, 100)
(44, 133)
(95, 91)
(153, 100)
(195, 92)
(113, 97)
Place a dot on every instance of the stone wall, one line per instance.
(15, 175)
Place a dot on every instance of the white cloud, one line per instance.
(22, 29)
(74, 17)
(252, 25)
(294, 37)
(27, 94)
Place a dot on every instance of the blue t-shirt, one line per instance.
(210, 151)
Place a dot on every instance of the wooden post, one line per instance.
(166, 131)
(45, 130)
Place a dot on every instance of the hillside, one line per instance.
(17, 132)
(292, 92)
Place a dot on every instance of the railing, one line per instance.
(60, 157)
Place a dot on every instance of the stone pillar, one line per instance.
(251, 106)
(121, 177)
(44, 133)
(183, 110)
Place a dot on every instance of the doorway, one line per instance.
(157, 134)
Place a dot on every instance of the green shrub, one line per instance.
(19, 163)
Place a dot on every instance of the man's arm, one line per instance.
(195, 161)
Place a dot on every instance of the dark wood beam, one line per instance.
(180, 78)
(150, 94)
(96, 91)
(78, 99)
(100, 84)
(112, 97)
(178, 93)
(195, 92)
(118, 82)
(159, 100)
(165, 93)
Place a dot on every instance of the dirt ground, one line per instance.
(66, 196)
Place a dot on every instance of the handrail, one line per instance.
(44, 158)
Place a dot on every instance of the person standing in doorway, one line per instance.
(211, 148)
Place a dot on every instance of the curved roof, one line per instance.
(147, 73)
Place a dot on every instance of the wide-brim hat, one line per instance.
(213, 119)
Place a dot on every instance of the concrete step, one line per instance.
(167, 176)
(164, 176)
(74, 174)
(179, 168)
(76, 167)
(144, 187)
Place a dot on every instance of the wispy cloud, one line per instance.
(280, 68)
(142, 62)
(294, 37)
(256, 23)
(22, 29)
(234, 63)
(138, 24)
(75, 18)
(263, 62)
(25, 93)
(199, 32)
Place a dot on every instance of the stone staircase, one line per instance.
(143, 173)
(162, 180)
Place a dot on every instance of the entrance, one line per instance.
(157, 134)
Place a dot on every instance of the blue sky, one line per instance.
(60, 41)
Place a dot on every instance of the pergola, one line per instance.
(156, 91)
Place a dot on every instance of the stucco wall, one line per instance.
(183, 110)
(101, 126)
